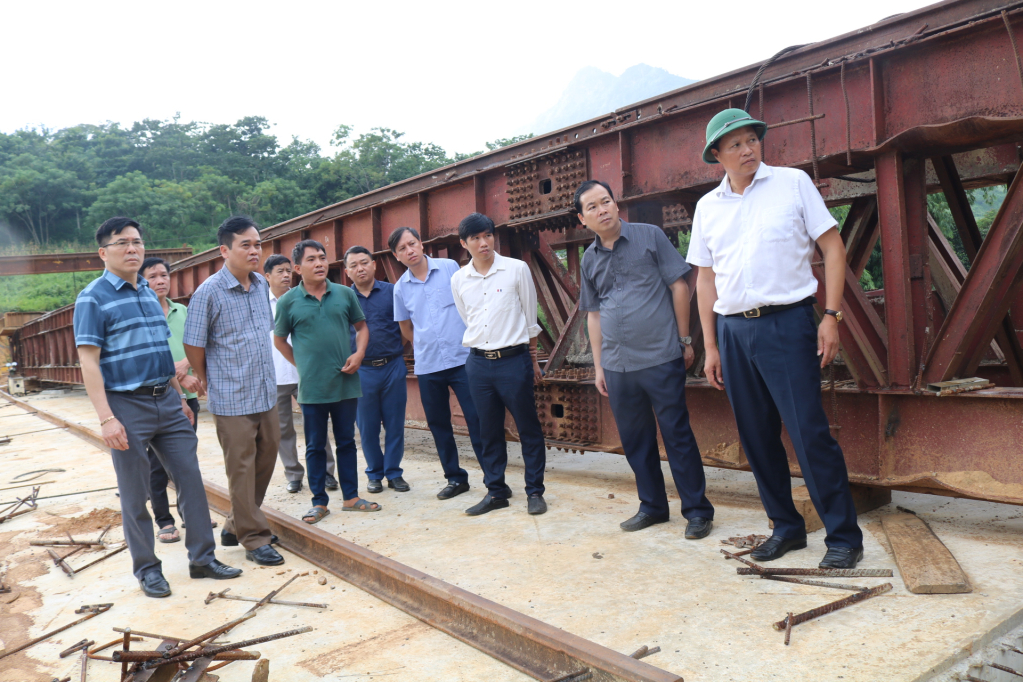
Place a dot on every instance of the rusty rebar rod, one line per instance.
(833, 606)
(58, 560)
(1006, 669)
(41, 638)
(794, 121)
(185, 646)
(223, 595)
(813, 583)
(788, 628)
(85, 664)
(221, 649)
(644, 651)
(753, 568)
(147, 635)
(821, 572)
(143, 656)
(64, 543)
(84, 644)
(102, 558)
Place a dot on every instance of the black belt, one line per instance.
(768, 309)
(154, 391)
(498, 353)
(379, 362)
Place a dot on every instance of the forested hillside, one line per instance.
(180, 180)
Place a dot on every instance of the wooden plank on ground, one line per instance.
(926, 565)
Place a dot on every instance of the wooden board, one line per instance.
(926, 565)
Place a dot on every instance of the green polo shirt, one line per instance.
(319, 331)
(176, 321)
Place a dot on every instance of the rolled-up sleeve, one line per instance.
(88, 322)
(527, 298)
(698, 254)
(197, 324)
(670, 262)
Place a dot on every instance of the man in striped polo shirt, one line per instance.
(128, 371)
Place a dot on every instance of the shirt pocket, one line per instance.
(776, 223)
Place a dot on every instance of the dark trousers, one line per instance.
(158, 479)
(496, 385)
(342, 417)
(641, 401)
(433, 392)
(384, 393)
(772, 375)
(158, 421)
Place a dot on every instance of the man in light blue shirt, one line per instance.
(425, 310)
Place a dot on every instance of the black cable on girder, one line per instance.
(760, 72)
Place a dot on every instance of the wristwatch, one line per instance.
(685, 340)
(836, 313)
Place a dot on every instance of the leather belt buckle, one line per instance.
(491, 354)
(378, 363)
(751, 314)
(160, 390)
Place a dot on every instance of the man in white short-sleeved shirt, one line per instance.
(754, 237)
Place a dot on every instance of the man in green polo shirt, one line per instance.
(317, 314)
(157, 273)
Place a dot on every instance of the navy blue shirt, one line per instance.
(384, 333)
(128, 326)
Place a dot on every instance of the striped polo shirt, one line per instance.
(128, 326)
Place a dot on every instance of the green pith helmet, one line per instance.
(724, 123)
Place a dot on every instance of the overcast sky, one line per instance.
(453, 73)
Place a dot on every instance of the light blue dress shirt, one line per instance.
(431, 307)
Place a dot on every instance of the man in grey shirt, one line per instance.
(637, 312)
(227, 342)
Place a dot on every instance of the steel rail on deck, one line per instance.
(531, 646)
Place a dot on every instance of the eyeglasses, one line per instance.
(123, 243)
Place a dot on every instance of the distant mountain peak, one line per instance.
(593, 92)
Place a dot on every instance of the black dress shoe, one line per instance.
(399, 484)
(215, 570)
(231, 540)
(332, 483)
(293, 486)
(537, 505)
(776, 547)
(642, 520)
(698, 528)
(841, 557)
(487, 504)
(374, 486)
(264, 556)
(153, 584)
(452, 490)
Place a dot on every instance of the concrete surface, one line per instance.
(572, 568)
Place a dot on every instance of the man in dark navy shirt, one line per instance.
(382, 373)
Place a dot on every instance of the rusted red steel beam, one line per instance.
(989, 289)
(860, 233)
(46, 263)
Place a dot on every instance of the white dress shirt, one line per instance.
(499, 309)
(761, 243)
(287, 373)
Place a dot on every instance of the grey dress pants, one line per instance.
(159, 422)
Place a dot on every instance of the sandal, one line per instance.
(168, 534)
(362, 505)
(317, 514)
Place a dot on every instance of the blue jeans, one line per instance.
(772, 375)
(495, 386)
(384, 393)
(433, 391)
(342, 418)
(641, 401)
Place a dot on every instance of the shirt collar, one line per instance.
(330, 286)
(626, 234)
(724, 189)
(431, 264)
(175, 307)
(376, 285)
(118, 283)
(500, 263)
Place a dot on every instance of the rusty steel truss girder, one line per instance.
(926, 101)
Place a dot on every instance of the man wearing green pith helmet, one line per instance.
(754, 237)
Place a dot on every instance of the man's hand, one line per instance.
(190, 383)
(827, 340)
(181, 368)
(353, 363)
(712, 368)
(114, 435)
(689, 354)
(537, 373)
(599, 382)
(188, 411)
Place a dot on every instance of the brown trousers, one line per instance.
(250, 444)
